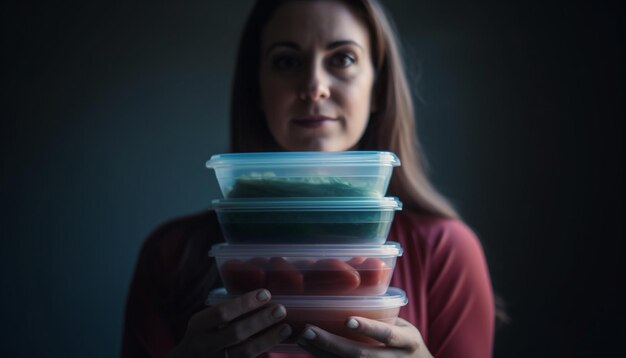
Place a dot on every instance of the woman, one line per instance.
(319, 75)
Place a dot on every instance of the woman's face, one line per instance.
(316, 76)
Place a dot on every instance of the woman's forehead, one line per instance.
(315, 23)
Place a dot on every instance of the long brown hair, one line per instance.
(391, 127)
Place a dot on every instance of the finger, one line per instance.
(325, 344)
(239, 330)
(221, 314)
(261, 343)
(390, 335)
(308, 342)
(317, 352)
(401, 322)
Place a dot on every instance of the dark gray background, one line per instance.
(110, 109)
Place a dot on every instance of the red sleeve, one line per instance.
(461, 313)
(146, 331)
(172, 279)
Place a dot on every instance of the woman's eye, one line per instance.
(342, 60)
(284, 62)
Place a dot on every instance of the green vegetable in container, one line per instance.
(271, 186)
(307, 226)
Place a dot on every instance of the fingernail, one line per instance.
(279, 312)
(263, 296)
(352, 323)
(285, 332)
(309, 334)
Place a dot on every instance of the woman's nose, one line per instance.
(315, 87)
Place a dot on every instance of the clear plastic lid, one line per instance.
(312, 203)
(390, 248)
(274, 159)
(394, 297)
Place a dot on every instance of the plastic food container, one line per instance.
(304, 174)
(306, 220)
(307, 269)
(330, 312)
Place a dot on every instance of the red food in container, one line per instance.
(307, 269)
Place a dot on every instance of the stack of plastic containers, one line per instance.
(312, 228)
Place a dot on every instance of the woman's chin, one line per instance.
(315, 146)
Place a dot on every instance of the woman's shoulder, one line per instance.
(435, 232)
(203, 221)
(447, 248)
(190, 232)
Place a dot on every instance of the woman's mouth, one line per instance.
(314, 121)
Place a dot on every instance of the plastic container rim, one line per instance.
(394, 297)
(307, 203)
(389, 248)
(304, 159)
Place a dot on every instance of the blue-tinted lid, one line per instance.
(274, 159)
(308, 204)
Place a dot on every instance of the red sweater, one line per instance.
(442, 270)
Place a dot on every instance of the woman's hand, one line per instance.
(243, 327)
(400, 340)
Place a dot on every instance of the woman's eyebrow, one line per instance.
(340, 43)
(289, 44)
(295, 46)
